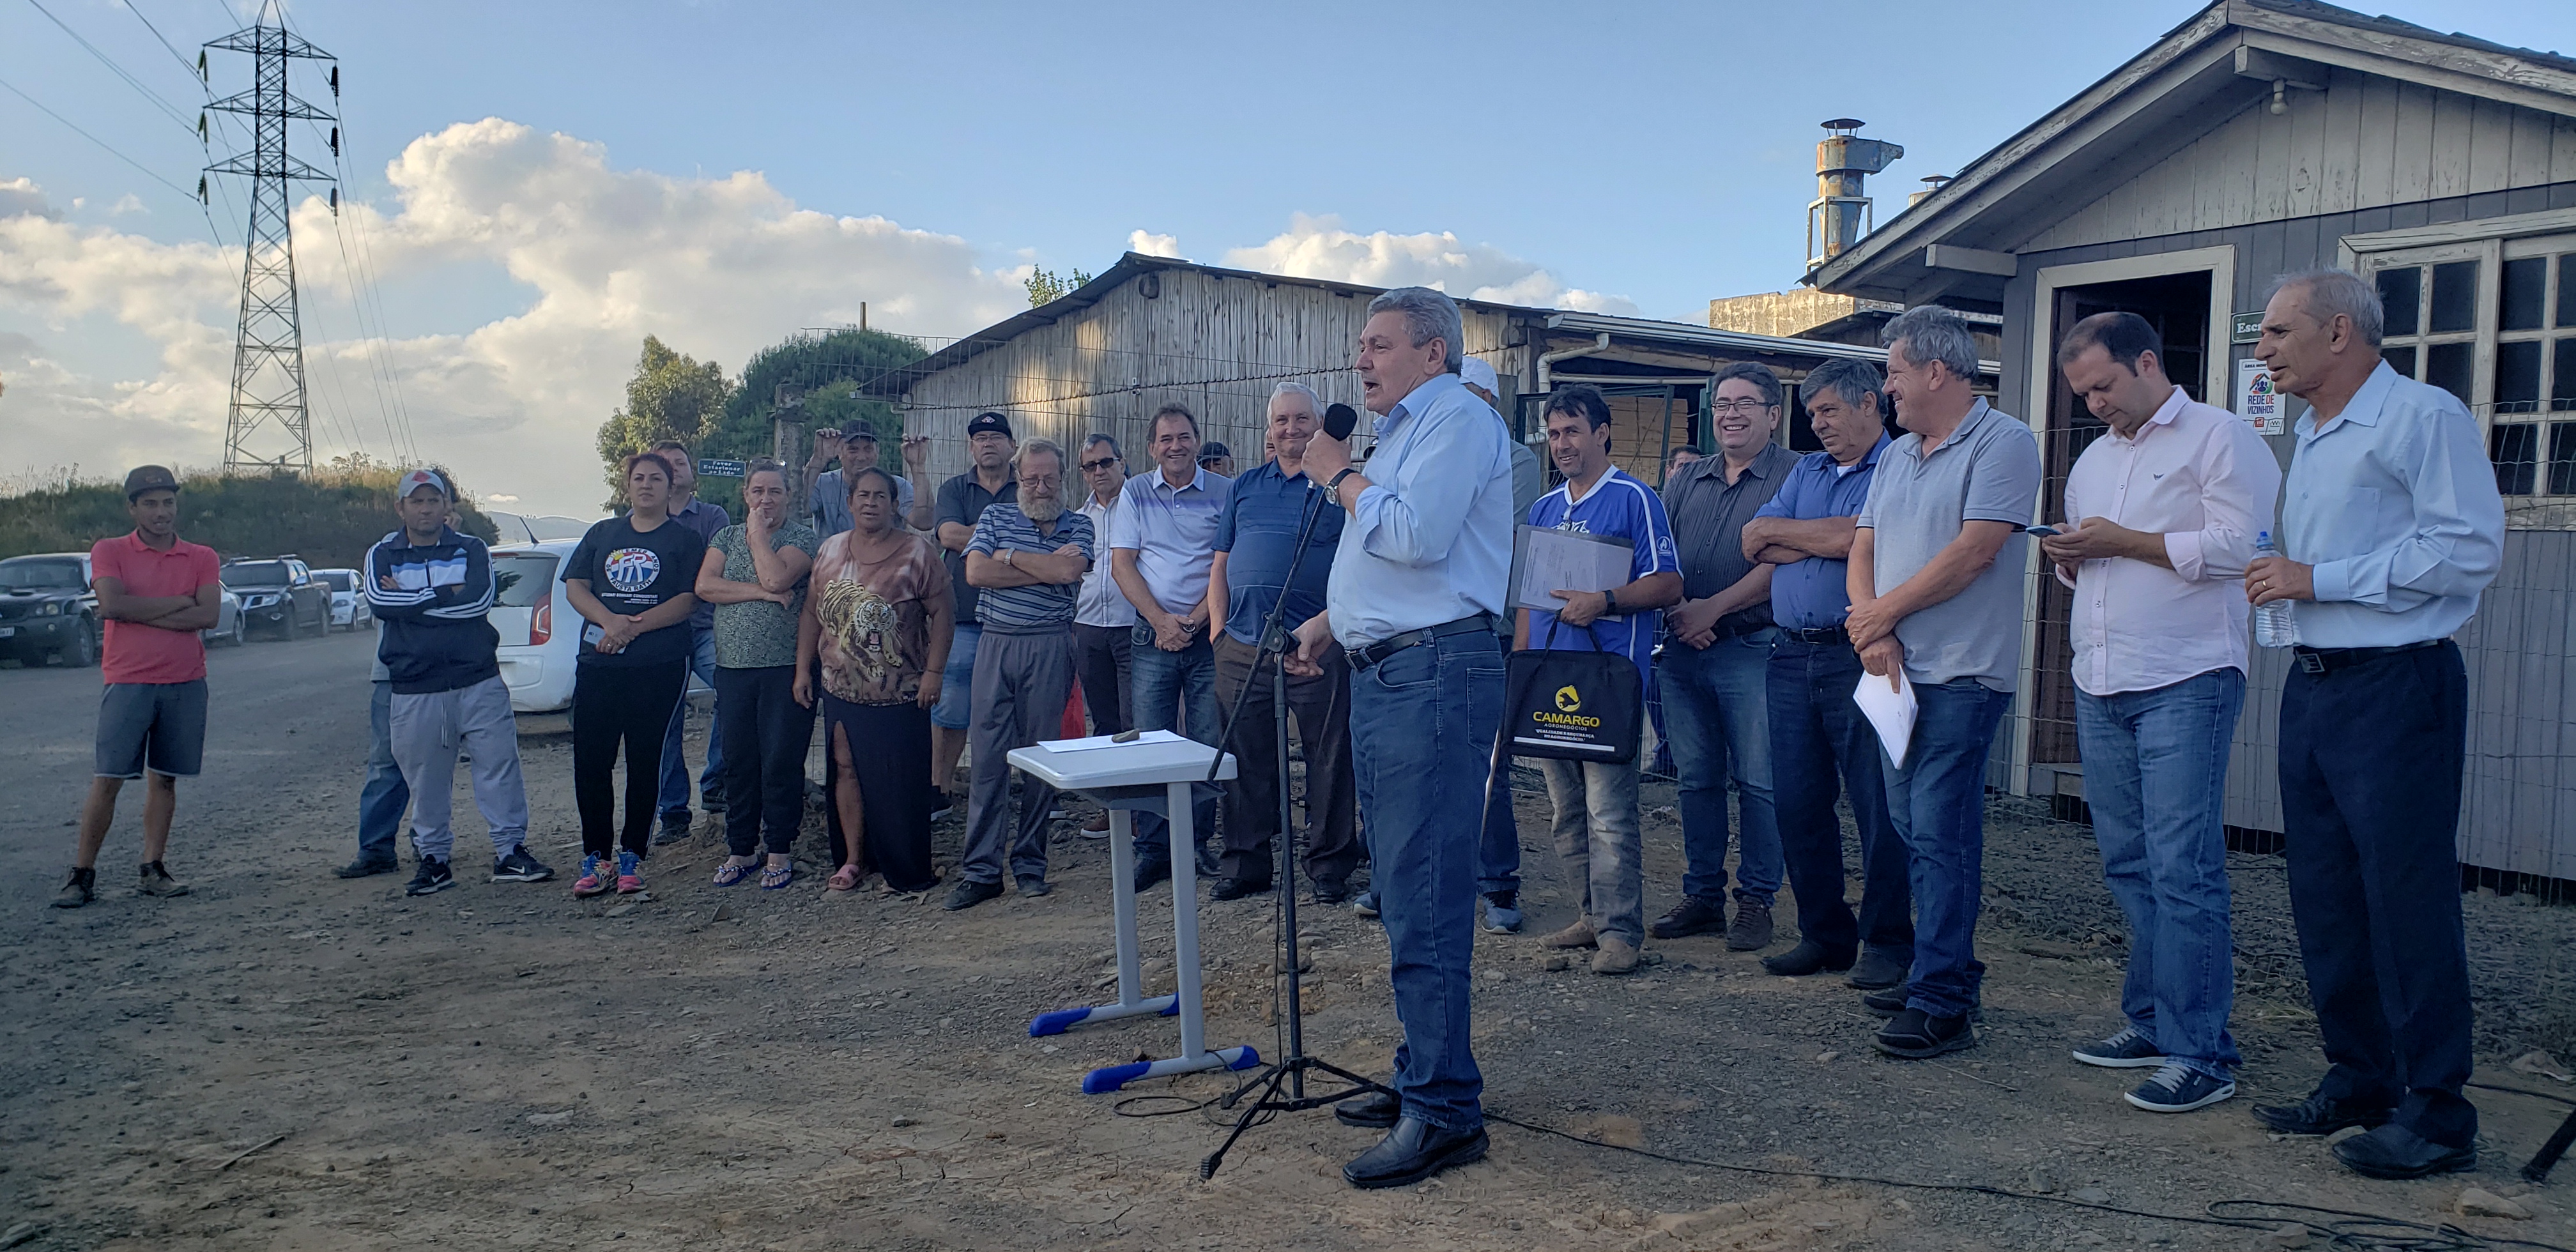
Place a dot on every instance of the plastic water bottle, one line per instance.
(2272, 625)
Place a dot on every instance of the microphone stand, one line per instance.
(1289, 1072)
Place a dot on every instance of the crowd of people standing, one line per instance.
(1764, 590)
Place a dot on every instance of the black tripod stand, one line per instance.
(1282, 1086)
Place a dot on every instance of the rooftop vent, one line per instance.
(1840, 214)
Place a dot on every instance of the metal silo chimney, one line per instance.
(1840, 213)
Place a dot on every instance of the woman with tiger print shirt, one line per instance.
(878, 617)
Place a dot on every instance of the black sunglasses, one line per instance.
(1101, 464)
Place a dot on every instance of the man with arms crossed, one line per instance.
(2390, 529)
(156, 591)
(1256, 538)
(1936, 588)
(1595, 802)
(1417, 584)
(2161, 514)
(433, 589)
(1805, 532)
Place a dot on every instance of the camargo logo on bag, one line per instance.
(1569, 705)
(1568, 700)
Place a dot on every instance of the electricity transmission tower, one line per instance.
(269, 426)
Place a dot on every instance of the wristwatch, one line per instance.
(1610, 603)
(1333, 487)
(1006, 557)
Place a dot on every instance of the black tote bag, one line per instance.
(1573, 705)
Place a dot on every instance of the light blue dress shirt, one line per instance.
(2394, 502)
(1172, 531)
(1430, 540)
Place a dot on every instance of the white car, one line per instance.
(540, 632)
(349, 607)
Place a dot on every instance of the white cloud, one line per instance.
(1152, 244)
(1321, 247)
(718, 267)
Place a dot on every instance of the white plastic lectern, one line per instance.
(1154, 773)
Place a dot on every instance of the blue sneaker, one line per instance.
(1503, 913)
(2178, 1089)
(630, 873)
(2125, 1050)
(1365, 903)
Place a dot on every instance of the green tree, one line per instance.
(670, 397)
(329, 517)
(1046, 286)
(829, 369)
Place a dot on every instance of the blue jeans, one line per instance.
(382, 801)
(1716, 700)
(675, 763)
(1422, 734)
(1938, 801)
(1164, 689)
(955, 709)
(2155, 774)
(1822, 747)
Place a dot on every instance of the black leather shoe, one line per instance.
(1916, 1035)
(364, 868)
(1238, 888)
(1374, 1110)
(1693, 916)
(1879, 969)
(1809, 957)
(1411, 1152)
(1151, 870)
(969, 893)
(1332, 892)
(2393, 1151)
(2322, 1115)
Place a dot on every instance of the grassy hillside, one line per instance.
(329, 517)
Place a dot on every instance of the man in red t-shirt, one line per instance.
(156, 592)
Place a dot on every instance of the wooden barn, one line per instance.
(1154, 329)
(2268, 136)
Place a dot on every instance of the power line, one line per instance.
(119, 70)
(111, 148)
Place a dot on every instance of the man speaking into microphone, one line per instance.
(1417, 585)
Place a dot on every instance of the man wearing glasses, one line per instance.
(1714, 671)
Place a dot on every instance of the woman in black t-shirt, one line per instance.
(631, 579)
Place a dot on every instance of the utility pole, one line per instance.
(269, 427)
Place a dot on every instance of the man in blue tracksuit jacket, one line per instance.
(432, 588)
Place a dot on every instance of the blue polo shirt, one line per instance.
(1620, 507)
(1258, 534)
(1812, 593)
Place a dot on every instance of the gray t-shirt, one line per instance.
(757, 634)
(1988, 470)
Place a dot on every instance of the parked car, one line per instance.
(540, 632)
(280, 594)
(47, 610)
(231, 629)
(349, 607)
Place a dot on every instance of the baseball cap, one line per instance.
(993, 422)
(1479, 372)
(419, 478)
(1212, 449)
(867, 433)
(145, 478)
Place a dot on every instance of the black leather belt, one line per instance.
(1815, 634)
(2328, 660)
(1368, 654)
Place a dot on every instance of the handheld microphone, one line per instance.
(1340, 420)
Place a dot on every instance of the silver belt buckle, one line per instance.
(2311, 663)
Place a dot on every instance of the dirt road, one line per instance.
(284, 1060)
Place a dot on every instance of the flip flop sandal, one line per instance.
(728, 875)
(775, 879)
(845, 878)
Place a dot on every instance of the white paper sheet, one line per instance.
(1105, 741)
(1549, 560)
(1891, 713)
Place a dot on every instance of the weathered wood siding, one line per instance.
(2365, 142)
(1216, 343)
(2519, 803)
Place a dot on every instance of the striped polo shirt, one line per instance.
(1040, 607)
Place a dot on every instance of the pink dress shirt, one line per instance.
(2206, 482)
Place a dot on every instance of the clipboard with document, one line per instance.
(1546, 560)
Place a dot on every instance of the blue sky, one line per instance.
(1650, 155)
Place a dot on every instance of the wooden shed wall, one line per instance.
(1216, 343)
(2365, 142)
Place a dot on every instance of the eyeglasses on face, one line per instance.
(1101, 464)
(1748, 408)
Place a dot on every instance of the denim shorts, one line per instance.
(162, 725)
(955, 710)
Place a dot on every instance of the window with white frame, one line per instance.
(2494, 323)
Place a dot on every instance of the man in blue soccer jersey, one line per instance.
(1595, 802)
